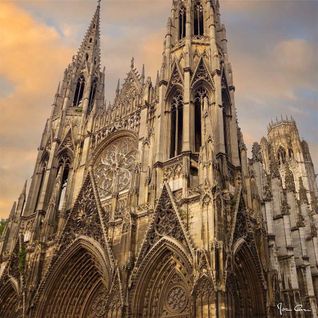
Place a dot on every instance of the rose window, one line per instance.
(177, 299)
(115, 167)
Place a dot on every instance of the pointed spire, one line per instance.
(118, 87)
(90, 48)
(24, 188)
(143, 73)
(57, 94)
(132, 64)
(11, 215)
(58, 90)
(157, 79)
(21, 199)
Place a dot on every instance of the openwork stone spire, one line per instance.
(90, 48)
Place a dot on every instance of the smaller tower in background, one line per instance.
(284, 144)
(286, 182)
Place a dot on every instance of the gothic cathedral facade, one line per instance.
(149, 206)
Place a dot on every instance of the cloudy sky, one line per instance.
(273, 46)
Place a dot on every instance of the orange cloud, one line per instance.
(32, 61)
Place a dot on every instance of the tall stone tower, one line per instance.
(286, 181)
(146, 207)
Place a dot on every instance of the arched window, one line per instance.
(63, 171)
(79, 91)
(92, 95)
(199, 99)
(182, 22)
(176, 124)
(42, 170)
(198, 23)
(226, 103)
(290, 153)
(281, 155)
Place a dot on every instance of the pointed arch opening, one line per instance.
(198, 22)
(227, 115)
(176, 123)
(62, 179)
(164, 280)
(281, 155)
(204, 295)
(78, 285)
(92, 94)
(182, 22)
(79, 91)
(9, 300)
(290, 154)
(41, 171)
(243, 299)
(200, 100)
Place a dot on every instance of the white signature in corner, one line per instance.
(297, 308)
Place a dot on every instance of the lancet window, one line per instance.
(42, 170)
(176, 124)
(290, 153)
(281, 154)
(92, 95)
(63, 173)
(199, 99)
(226, 102)
(79, 91)
(182, 22)
(198, 22)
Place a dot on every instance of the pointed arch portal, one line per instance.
(246, 295)
(78, 286)
(163, 288)
(9, 304)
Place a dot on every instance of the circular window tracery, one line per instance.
(115, 166)
(177, 299)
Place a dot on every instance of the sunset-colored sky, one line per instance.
(273, 47)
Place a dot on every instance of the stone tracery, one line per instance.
(115, 167)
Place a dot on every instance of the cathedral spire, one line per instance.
(89, 50)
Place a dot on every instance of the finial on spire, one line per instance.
(132, 65)
(98, 3)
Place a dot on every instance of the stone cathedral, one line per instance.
(150, 207)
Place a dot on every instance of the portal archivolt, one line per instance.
(78, 287)
(245, 299)
(9, 301)
(164, 288)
